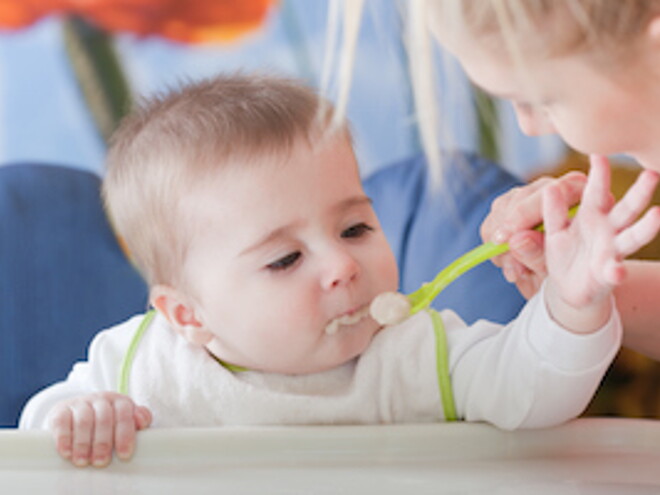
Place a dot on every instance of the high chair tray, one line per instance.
(586, 456)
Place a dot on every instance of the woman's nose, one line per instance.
(534, 123)
(340, 269)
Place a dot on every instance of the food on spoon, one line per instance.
(390, 308)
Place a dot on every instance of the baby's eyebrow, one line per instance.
(349, 203)
(268, 238)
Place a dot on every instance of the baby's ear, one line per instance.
(179, 311)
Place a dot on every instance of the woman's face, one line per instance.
(593, 108)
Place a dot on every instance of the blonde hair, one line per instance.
(553, 27)
(606, 29)
(172, 141)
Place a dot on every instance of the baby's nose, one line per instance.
(340, 269)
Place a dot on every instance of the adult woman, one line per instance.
(587, 70)
(584, 69)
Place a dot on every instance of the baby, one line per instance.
(243, 208)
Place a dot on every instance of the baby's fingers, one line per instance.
(635, 200)
(639, 234)
(103, 432)
(125, 427)
(143, 417)
(83, 431)
(61, 424)
(597, 195)
(614, 272)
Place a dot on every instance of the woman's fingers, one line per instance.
(521, 208)
(555, 210)
(513, 211)
(529, 283)
(527, 247)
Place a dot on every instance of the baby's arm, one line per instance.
(584, 256)
(89, 428)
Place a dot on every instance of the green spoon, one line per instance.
(422, 297)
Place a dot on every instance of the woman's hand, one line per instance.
(512, 219)
(88, 429)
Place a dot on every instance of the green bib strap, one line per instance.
(234, 368)
(442, 367)
(129, 357)
(127, 362)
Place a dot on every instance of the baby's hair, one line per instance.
(525, 29)
(173, 141)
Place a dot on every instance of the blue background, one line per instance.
(43, 118)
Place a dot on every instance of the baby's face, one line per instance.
(284, 251)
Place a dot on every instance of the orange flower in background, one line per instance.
(191, 21)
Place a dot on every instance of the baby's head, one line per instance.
(246, 215)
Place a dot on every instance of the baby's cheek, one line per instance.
(302, 311)
(388, 272)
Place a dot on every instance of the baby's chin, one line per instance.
(353, 342)
(337, 349)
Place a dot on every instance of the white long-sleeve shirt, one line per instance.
(529, 373)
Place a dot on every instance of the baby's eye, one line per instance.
(285, 262)
(357, 230)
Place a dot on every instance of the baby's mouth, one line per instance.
(349, 319)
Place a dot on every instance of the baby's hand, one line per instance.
(584, 256)
(87, 429)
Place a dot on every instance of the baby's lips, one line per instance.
(349, 318)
